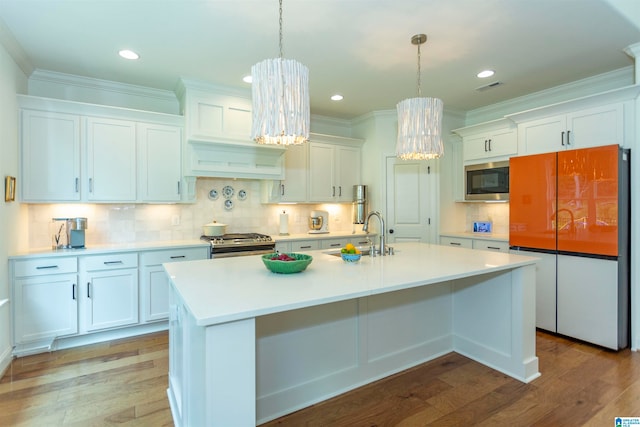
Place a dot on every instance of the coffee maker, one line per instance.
(319, 222)
(73, 237)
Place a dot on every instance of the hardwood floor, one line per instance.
(124, 382)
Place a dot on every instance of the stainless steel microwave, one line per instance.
(487, 181)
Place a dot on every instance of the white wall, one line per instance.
(12, 81)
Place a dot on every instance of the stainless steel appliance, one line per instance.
(74, 233)
(486, 181)
(239, 244)
(319, 222)
(359, 204)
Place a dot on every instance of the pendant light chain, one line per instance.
(419, 74)
(280, 23)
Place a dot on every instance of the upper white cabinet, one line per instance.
(159, 159)
(603, 119)
(496, 140)
(111, 160)
(72, 152)
(334, 168)
(591, 127)
(50, 156)
(293, 188)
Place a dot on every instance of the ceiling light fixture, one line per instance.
(280, 93)
(419, 122)
(247, 79)
(128, 54)
(485, 73)
(337, 97)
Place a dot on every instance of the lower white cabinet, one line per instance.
(154, 283)
(109, 290)
(458, 242)
(325, 243)
(473, 243)
(45, 299)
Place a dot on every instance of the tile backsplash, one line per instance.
(129, 223)
(498, 213)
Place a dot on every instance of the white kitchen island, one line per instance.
(248, 346)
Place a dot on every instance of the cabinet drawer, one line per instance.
(490, 245)
(174, 255)
(305, 245)
(333, 243)
(108, 262)
(364, 240)
(457, 242)
(42, 266)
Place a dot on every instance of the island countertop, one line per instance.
(219, 291)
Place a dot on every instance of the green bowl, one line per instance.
(287, 267)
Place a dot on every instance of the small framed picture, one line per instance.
(482, 227)
(9, 189)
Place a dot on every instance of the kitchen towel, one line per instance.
(284, 223)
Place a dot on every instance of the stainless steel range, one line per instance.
(240, 244)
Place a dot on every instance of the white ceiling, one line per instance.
(359, 48)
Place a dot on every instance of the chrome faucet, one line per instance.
(383, 231)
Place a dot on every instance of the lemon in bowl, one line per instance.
(350, 253)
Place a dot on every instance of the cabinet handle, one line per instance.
(333, 245)
(334, 191)
(485, 145)
(568, 136)
(340, 191)
(73, 291)
(282, 189)
(112, 262)
(77, 189)
(177, 256)
(88, 289)
(489, 145)
(90, 185)
(305, 247)
(178, 187)
(562, 138)
(493, 247)
(44, 267)
(454, 243)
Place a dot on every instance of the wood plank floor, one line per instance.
(124, 383)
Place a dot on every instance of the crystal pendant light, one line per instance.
(419, 122)
(280, 93)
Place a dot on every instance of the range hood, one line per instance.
(231, 158)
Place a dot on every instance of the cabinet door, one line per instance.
(305, 245)
(294, 186)
(458, 242)
(111, 298)
(543, 135)
(347, 172)
(45, 307)
(159, 149)
(50, 156)
(490, 245)
(111, 160)
(333, 243)
(321, 172)
(596, 126)
(588, 300)
(475, 147)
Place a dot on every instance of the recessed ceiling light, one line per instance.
(128, 54)
(337, 97)
(485, 73)
(247, 79)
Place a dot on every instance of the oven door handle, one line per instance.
(216, 255)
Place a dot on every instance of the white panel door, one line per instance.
(321, 172)
(159, 149)
(111, 160)
(409, 200)
(111, 298)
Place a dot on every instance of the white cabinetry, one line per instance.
(109, 290)
(293, 188)
(458, 242)
(154, 283)
(334, 168)
(496, 140)
(45, 295)
(159, 159)
(597, 126)
(111, 160)
(484, 244)
(71, 152)
(50, 156)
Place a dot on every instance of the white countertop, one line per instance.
(317, 236)
(229, 289)
(109, 248)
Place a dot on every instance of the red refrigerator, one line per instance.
(571, 208)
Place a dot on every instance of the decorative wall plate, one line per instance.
(227, 191)
(228, 204)
(242, 195)
(213, 194)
